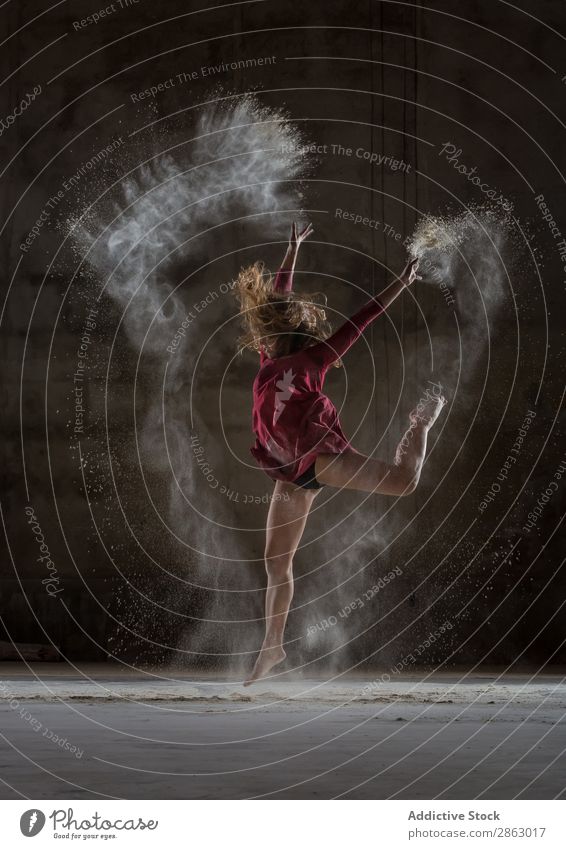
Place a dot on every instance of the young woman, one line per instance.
(299, 441)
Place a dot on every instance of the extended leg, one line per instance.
(286, 522)
(355, 471)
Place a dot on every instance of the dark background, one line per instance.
(400, 79)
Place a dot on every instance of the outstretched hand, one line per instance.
(409, 273)
(298, 236)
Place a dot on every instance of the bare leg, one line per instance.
(286, 522)
(355, 471)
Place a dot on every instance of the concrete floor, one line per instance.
(152, 736)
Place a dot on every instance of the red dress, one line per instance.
(292, 419)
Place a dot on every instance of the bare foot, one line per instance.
(266, 660)
(427, 412)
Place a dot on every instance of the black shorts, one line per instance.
(308, 479)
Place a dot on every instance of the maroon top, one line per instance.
(292, 419)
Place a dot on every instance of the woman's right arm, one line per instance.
(328, 351)
(333, 348)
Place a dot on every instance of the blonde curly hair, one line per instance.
(279, 323)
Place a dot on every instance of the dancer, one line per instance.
(299, 441)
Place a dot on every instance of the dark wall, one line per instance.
(147, 574)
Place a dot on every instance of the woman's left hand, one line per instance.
(298, 236)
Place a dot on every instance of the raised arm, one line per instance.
(284, 278)
(331, 349)
(407, 276)
(283, 281)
